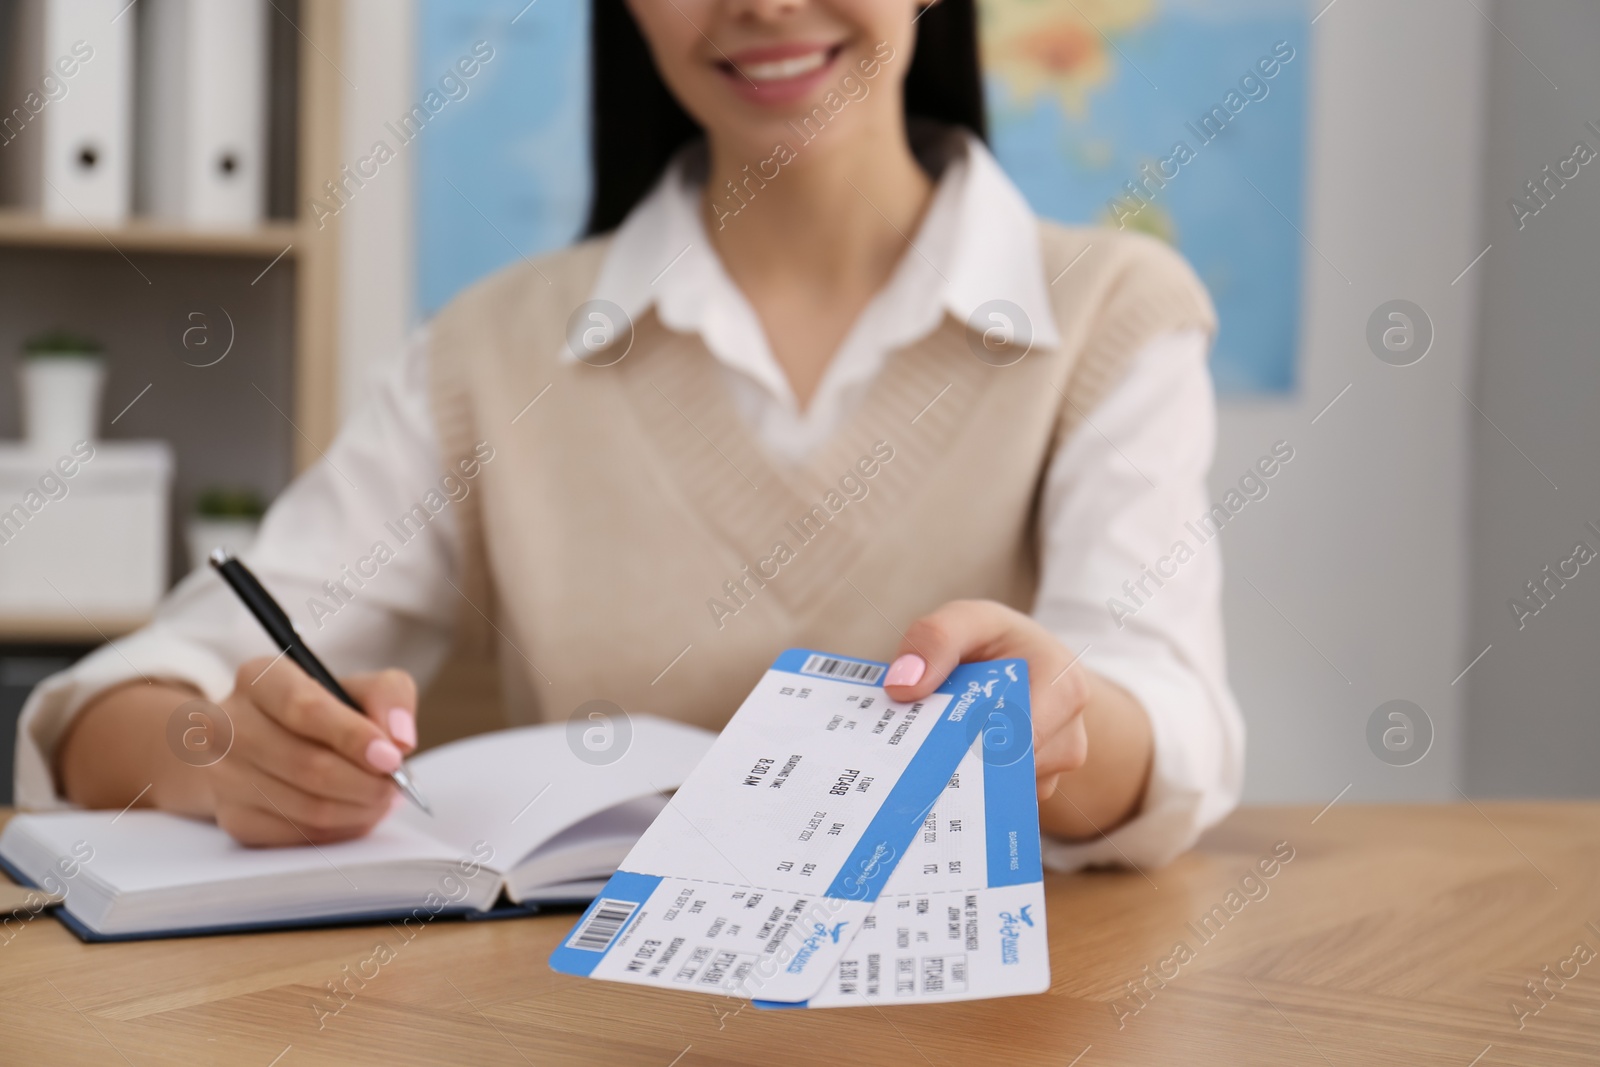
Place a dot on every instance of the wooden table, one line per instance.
(1395, 935)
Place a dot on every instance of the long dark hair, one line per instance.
(638, 125)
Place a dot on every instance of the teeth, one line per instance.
(785, 68)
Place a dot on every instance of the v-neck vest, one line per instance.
(631, 541)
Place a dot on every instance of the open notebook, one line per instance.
(518, 815)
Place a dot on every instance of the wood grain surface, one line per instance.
(1394, 935)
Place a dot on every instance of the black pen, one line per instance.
(276, 622)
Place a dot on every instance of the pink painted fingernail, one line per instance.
(403, 727)
(907, 670)
(383, 756)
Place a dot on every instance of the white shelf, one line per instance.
(21, 229)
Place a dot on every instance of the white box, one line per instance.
(202, 121)
(68, 123)
(90, 544)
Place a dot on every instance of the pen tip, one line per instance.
(409, 788)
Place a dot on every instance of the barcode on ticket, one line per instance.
(848, 669)
(603, 925)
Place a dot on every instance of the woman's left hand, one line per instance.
(968, 630)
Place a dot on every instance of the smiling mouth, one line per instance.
(774, 72)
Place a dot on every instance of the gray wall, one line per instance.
(1531, 716)
(222, 429)
(1362, 544)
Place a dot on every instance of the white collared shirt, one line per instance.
(978, 242)
(1118, 491)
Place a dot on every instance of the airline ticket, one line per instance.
(758, 875)
(962, 917)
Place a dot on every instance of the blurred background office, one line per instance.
(222, 218)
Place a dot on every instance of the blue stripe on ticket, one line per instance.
(1010, 791)
(978, 691)
(611, 913)
(828, 665)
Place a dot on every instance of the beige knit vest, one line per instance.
(631, 541)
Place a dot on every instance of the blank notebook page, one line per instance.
(517, 788)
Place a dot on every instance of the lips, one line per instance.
(779, 74)
(782, 69)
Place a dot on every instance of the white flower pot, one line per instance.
(60, 400)
(206, 533)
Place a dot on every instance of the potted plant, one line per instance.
(223, 518)
(62, 375)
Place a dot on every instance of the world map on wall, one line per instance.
(1184, 119)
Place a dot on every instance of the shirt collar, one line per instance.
(979, 241)
(997, 252)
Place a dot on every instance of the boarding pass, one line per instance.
(759, 873)
(962, 917)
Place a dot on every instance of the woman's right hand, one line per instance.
(303, 766)
(299, 766)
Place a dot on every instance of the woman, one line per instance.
(820, 380)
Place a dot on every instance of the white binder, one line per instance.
(66, 137)
(202, 111)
